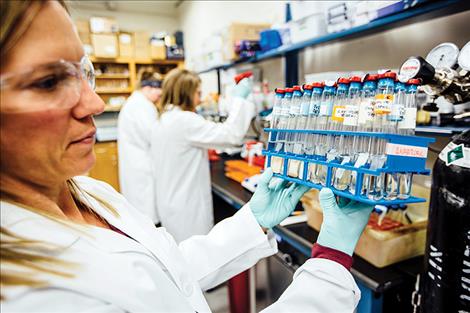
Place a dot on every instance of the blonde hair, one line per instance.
(149, 74)
(179, 87)
(30, 257)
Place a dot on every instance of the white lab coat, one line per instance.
(179, 146)
(136, 178)
(151, 273)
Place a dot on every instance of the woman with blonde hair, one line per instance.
(180, 141)
(135, 122)
(73, 244)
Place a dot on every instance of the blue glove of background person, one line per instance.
(273, 201)
(342, 224)
(243, 88)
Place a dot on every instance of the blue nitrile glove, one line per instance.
(243, 88)
(342, 224)
(273, 201)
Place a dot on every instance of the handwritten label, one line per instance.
(406, 150)
(383, 104)
(338, 113)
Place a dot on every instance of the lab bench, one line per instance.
(383, 289)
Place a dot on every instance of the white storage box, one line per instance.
(307, 28)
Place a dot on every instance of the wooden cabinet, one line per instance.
(106, 167)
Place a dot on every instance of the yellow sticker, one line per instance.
(383, 104)
(338, 113)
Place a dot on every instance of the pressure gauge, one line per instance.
(416, 67)
(443, 55)
(464, 57)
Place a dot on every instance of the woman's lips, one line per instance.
(87, 139)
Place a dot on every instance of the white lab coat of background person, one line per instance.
(136, 178)
(179, 145)
(151, 273)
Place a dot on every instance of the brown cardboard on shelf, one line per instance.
(126, 45)
(142, 45)
(105, 45)
(157, 50)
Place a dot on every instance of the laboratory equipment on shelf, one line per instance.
(449, 78)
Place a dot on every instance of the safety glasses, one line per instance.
(49, 86)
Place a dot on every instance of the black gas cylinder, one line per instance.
(446, 279)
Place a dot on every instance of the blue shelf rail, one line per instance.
(406, 154)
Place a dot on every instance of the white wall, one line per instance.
(130, 21)
(199, 19)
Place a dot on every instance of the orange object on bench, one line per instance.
(238, 170)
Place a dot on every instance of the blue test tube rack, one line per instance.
(406, 154)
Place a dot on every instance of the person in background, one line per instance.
(135, 121)
(179, 149)
(71, 243)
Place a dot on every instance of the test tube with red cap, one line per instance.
(407, 127)
(326, 107)
(294, 111)
(363, 145)
(348, 144)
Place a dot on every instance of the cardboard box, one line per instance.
(105, 45)
(142, 45)
(378, 247)
(241, 31)
(106, 25)
(126, 45)
(83, 30)
(157, 50)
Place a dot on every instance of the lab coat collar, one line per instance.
(141, 97)
(172, 107)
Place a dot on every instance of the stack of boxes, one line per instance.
(102, 39)
(104, 32)
(220, 45)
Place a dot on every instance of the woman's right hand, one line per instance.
(243, 88)
(343, 223)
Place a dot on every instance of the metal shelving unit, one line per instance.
(426, 11)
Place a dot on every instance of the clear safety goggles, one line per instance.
(49, 86)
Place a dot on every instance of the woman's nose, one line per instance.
(89, 104)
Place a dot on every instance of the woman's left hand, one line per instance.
(273, 200)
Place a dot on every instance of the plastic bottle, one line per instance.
(382, 108)
(341, 177)
(326, 107)
(407, 126)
